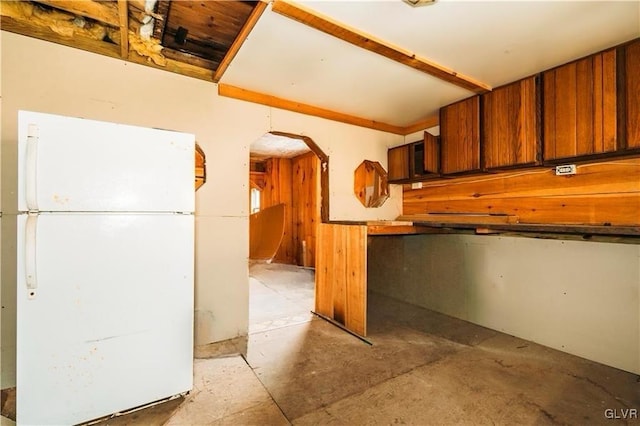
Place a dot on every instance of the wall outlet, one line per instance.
(416, 185)
(566, 169)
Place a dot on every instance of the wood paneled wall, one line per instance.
(600, 193)
(278, 190)
(305, 208)
(295, 183)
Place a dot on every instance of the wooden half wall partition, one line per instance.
(341, 281)
(266, 229)
(600, 194)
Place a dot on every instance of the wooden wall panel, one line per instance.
(305, 208)
(341, 282)
(325, 261)
(600, 193)
(632, 95)
(277, 190)
(356, 279)
(296, 184)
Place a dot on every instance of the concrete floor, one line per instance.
(423, 368)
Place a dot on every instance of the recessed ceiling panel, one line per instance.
(287, 59)
(494, 42)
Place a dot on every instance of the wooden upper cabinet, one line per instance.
(580, 107)
(460, 136)
(431, 163)
(632, 94)
(510, 134)
(398, 163)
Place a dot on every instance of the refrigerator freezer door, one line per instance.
(72, 164)
(110, 323)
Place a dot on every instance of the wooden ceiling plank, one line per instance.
(428, 122)
(273, 101)
(188, 58)
(106, 12)
(358, 38)
(160, 24)
(242, 36)
(123, 13)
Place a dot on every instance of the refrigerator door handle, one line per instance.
(30, 255)
(32, 167)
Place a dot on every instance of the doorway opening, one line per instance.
(288, 197)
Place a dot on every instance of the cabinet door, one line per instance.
(398, 163)
(510, 134)
(431, 153)
(632, 94)
(460, 136)
(580, 107)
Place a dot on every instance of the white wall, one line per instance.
(579, 297)
(50, 78)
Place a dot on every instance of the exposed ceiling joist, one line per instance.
(106, 12)
(422, 124)
(242, 36)
(358, 38)
(273, 101)
(44, 33)
(108, 49)
(123, 13)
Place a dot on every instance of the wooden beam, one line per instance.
(123, 13)
(370, 43)
(460, 218)
(422, 124)
(106, 12)
(46, 34)
(174, 66)
(273, 101)
(242, 36)
(188, 58)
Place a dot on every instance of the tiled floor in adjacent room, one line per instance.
(422, 368)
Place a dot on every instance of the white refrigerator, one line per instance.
(105, 269)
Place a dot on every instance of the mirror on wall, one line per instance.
(370, 184)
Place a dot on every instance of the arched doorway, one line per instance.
(292, 170)
(289, 171)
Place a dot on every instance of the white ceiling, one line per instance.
(495, 42)
(270, 145)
